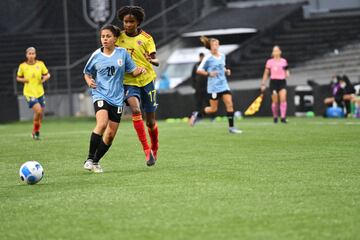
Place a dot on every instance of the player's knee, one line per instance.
(135, 110)
(150, 123)
(101, 126)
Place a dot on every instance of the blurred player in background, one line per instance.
(140, 91)
(213, 67)
(277, 69)
(199, 83)
(104, 73)
(33, 73)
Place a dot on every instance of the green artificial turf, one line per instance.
(294, 181)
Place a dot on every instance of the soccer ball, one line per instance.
(31, 172)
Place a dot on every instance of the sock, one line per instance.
(230, 116)
(140, 130)
(95, 140)
(274, 108)
(283, 107)
(37, 126)
(154, 137)
(100, 151)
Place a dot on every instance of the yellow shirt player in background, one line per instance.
(33, 73)
(140, 91)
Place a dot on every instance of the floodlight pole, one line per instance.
(67, 58)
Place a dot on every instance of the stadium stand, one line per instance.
(301, 40)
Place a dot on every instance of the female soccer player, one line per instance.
(213, 67)
(141, 89)
(33, 73)
(104, 73)
(277, 68)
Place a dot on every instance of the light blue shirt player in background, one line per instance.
(104, 74)
(214, 68)
(218, 82)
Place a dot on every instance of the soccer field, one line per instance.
(295, 181)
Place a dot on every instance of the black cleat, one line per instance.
(150, 159)
(276, 120)
(36, 135)
(283, 120)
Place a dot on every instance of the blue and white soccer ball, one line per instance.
(31, 172)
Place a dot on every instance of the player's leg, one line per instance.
(283, 104)
(133, 95)
(274, 99)
(102, 119)
(38, 111)
(149, 103)
(229, 106)
(114, 118)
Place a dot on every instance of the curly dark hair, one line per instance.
(136, 11)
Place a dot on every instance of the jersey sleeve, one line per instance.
(204, 65)
(89, 68)
(286, 66)
(150, 46)
(268, 64)
(129, 63)
(20, 72)
(44, 69)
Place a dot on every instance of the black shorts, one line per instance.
(216, 96)
(114, 113)
(277, 85)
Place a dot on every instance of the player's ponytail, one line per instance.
(206, 41)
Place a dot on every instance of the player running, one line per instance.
(277, 68)
(213, 66)
(33, 73)
(141, 89)
(104, 73)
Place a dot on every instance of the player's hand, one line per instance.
(141, 70)
(148, 57)
(213, 74)
(262, 88)
(227, 72)
(91, 84)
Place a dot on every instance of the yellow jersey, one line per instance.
(33, 73)
(137, 47)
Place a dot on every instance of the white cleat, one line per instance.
(193, 118)
(97, 168)
(234, 130)
(88, 165)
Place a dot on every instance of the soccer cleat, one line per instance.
(283, 120)
(88, 164)
(150, 159)
(276, 120)
(234, 130)
(97, 168)
(193, 118)
(36, 135)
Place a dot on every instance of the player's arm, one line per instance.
(227, 71)
(206, 74)
(45, 77)
(21, 79)
(90, 81)
(264, 79)
(138, 71)
(152, 59)
(287, 73)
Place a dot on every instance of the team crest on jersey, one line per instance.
(120, 62)
(100, 103)
(139, 42)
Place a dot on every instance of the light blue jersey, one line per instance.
(218, 83)
(108, 72)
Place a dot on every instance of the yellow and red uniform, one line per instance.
(33, 74)
(138, 47)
